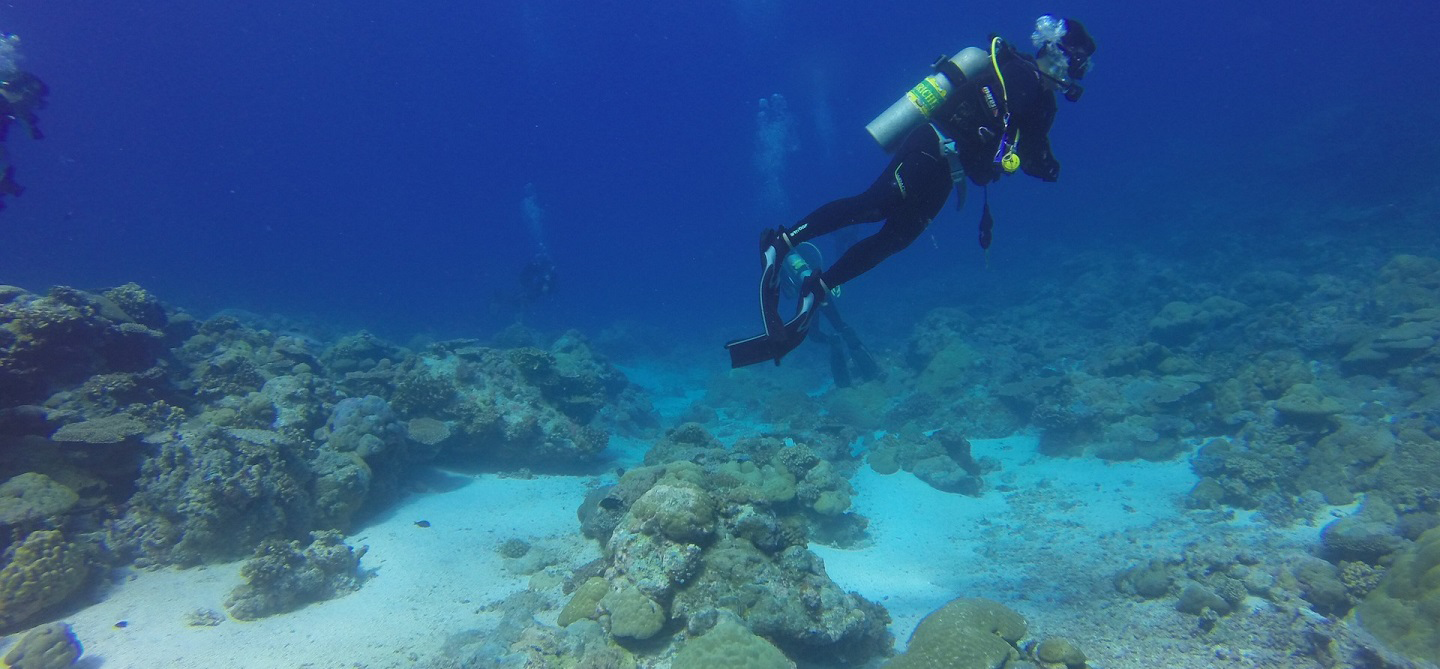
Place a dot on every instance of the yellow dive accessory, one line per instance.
(1006, 155)
(1011, 161)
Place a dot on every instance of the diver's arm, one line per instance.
(1034, 148)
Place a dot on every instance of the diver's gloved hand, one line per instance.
(1046, 170)
(812, 284)
(777, 239)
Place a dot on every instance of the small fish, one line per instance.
(422, 523)
(610, 503)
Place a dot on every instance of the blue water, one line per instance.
(365, 163)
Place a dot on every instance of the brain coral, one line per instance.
(585, 601)
(31, 496)
(680, 511)
(964, 634)
(729, 645)
(1404, 611)
(42, 571)
(632, 614)
(46, 647)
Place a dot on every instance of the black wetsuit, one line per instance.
(914, 186)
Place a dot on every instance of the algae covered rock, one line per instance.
(52, 646)
(1404, 611)
(1059, 652)
(1306, 401)
(339, 488)
(1359, 538)
(787, 598)
(728, 645)
(1180, 322)
(964, 634)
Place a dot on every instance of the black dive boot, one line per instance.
(864, 362)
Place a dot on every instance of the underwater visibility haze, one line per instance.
(392, 335)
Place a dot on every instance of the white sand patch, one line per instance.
(429, 583)
(1035, 531)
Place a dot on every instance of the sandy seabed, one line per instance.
(1046, 540)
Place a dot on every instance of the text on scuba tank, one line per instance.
(927, 96)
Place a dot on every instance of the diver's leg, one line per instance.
(839, 365)
(867, 207)
(775, 244)
(896, 234)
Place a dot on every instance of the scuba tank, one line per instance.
(916, 106)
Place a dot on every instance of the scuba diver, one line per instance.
(535, 284)
(984, 113)
(537, 279)
(846, 349)
(21, 94)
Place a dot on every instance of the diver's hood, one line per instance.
(1064, 47)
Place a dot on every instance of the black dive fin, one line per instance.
(757, 349)
(762, 348)
(752, 351)
(770, 292)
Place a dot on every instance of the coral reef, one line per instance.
(196, 441)
(52, 342)
(687, 545)
(285, 575)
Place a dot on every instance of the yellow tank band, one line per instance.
(927, 96)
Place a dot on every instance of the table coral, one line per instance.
(112, 429)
